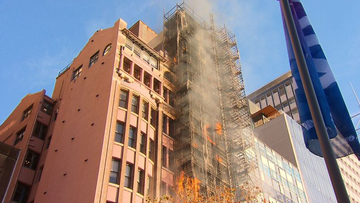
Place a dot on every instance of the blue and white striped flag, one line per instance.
(336, 116)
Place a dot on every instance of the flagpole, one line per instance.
(326, 148)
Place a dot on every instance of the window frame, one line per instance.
(123, 102)
(143, 142)
(24, 193)
(27, 112)
(121, 134)
(107, 49)
(145, 110)
(20, 135)
(135, 100)
(93, 59)
(77, 72)
(47, 109)
(114, 176)
(132, 137)
(33, 161)
(129, 174)
(140, 181)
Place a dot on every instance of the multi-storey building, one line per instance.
(279, 93)
(26, 129)
(131, 112)
(289, 172)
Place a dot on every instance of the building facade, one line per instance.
(289, 172)
(279, 93)
(133, 111)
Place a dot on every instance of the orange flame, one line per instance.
(210, 140)
(175, 60)
(218, 158)
(218, 128)
(194, 145)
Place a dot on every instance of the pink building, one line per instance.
(127, 117)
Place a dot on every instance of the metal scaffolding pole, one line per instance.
(326, 148)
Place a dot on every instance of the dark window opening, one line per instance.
(153, 117)
(164, 158)
(143, 143)
(145, 110)
(171, 98)
(119, 132)
(152, 149)
(165, 124)
(166, 94)
(127, 65)
(132, 137)
(140, 181)
(77, 73)
(40, 131)
(157, 86)
(123, 99)
(31, 160)
(21, 193)
(93, 59)
(27, 113)
(137, 72)
(47, 108)
(135, 104)
(147, 79)
(129, 174)
(19, 136)
(115, 171)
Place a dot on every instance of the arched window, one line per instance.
(107, 49)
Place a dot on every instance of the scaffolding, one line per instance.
(214, 141)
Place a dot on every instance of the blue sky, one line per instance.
(39, 38)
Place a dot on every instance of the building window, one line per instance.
(123, 99)
(27, 113)
(21, 193)
(93, 59)
(153, 117)
(147, 79)
(129, 170)
(115, 171)
(140, 181)
(143, 143)
(157, 86)
(171, 158)
(77, 73)
(19, 136)
(166, 95)
(152, 149)
(127, 65)
(171, 98)
(165, 124)
(135, 104)
(107, 49)
(31, 160)
(40, 131)
(164, 157)
(145, 110)
(132, 137)
(47, 108)
(137, 72)
(119, 133)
